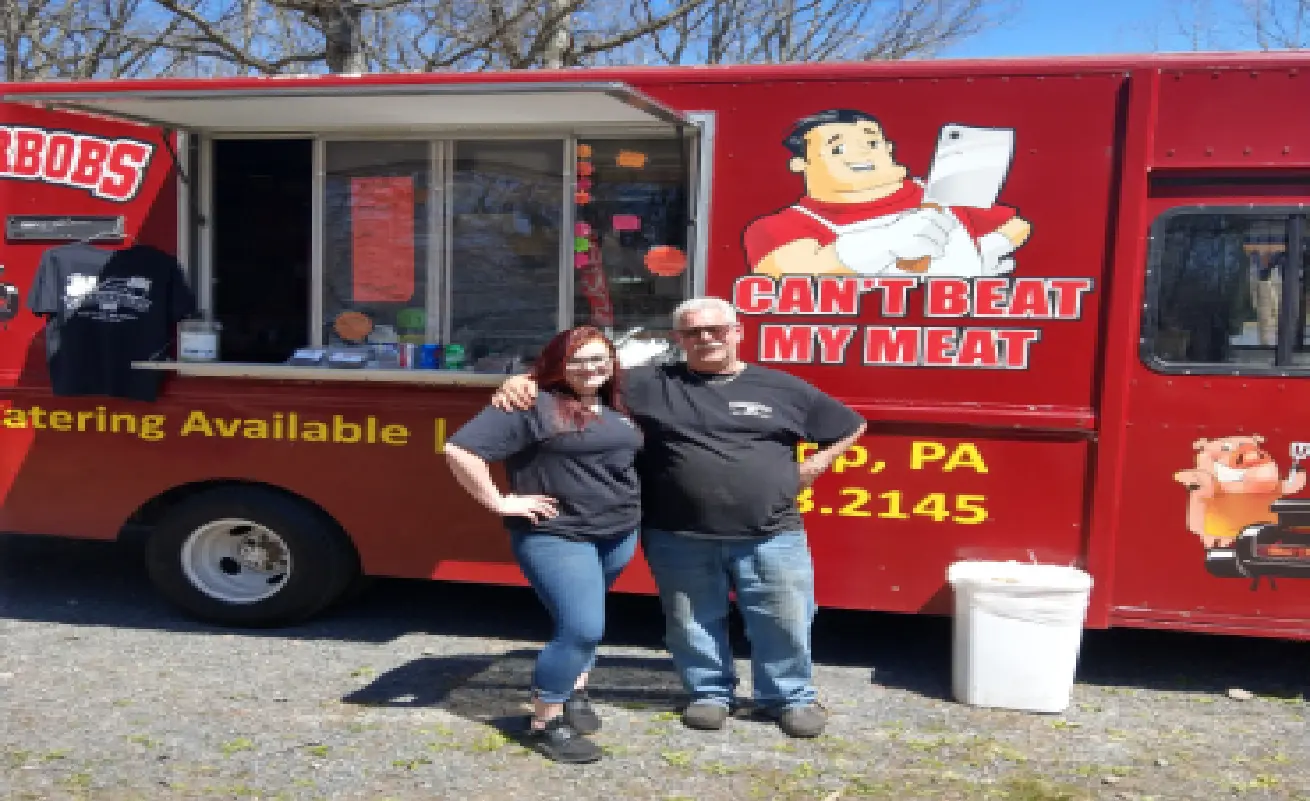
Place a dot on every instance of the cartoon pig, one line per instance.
(1234, 483)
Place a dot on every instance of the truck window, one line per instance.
(1216, 291)
(365, 182)
(506, 226)
(633, 214)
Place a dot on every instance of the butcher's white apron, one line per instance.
(960, 259)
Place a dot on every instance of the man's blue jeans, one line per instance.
(774, 581)
(571, 578)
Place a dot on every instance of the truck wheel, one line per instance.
(246, 556)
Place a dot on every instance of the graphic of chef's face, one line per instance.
(845, 161)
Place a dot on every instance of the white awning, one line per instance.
(282, 106)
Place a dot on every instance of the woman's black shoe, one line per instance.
(579, 714)
(561, 742)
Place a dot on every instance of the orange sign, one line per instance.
(631, 159)
(665, 260)
(382, 239)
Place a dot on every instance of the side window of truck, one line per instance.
(632, 211)
(1227, 289)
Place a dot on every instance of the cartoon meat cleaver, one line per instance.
(968, 170)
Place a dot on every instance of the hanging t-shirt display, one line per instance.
(106, 309)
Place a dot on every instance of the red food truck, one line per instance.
(1068, 295)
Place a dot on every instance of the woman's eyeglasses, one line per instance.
(588, 363)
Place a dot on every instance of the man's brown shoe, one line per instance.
(704, 715)
(803, 721)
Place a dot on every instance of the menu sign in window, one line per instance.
(382, 239)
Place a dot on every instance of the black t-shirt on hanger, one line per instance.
(106, 309)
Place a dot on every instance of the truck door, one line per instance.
(1214, 516)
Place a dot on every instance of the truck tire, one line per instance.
(247, 556)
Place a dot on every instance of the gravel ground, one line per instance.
(106, 693)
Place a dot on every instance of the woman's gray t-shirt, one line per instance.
(591, 473)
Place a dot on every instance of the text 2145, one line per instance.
(892, 504)
(940, 507)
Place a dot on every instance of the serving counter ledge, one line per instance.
(287, 372)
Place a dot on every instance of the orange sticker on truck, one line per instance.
(1239, 506)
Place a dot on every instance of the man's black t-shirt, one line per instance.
(591, 473)
(720, 451)
(106, 310)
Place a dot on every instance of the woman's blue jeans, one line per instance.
(571, 578)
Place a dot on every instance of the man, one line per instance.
(862, 214)
(719, 485)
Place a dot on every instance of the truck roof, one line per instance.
(725, 73)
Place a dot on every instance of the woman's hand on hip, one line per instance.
(534, 507)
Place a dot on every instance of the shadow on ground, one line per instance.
(104, 584)
(490, 688)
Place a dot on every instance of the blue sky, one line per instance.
(1083, 27)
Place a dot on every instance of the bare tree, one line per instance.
(85, 38)
(1232, 24)
(606, 32)
(1279, 24)
(519, 34)
(52, 39)
(774, 31)
(274, 36)
(1193, 25)
(270, 36)
(1198, 22)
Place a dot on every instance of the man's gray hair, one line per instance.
(704, 304)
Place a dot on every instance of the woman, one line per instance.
(572, 517)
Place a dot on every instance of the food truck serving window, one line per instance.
(1228, 291)
(429, 224)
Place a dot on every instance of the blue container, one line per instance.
(429, 357)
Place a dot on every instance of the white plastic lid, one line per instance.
(1019, 575)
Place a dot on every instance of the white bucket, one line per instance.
(197, 341)
(1017, 633)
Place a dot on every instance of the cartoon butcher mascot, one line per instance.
(863, 215)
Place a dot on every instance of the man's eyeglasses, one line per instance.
(717, 331)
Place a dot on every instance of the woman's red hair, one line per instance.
(548, 372)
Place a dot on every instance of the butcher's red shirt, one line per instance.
(768, 233)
